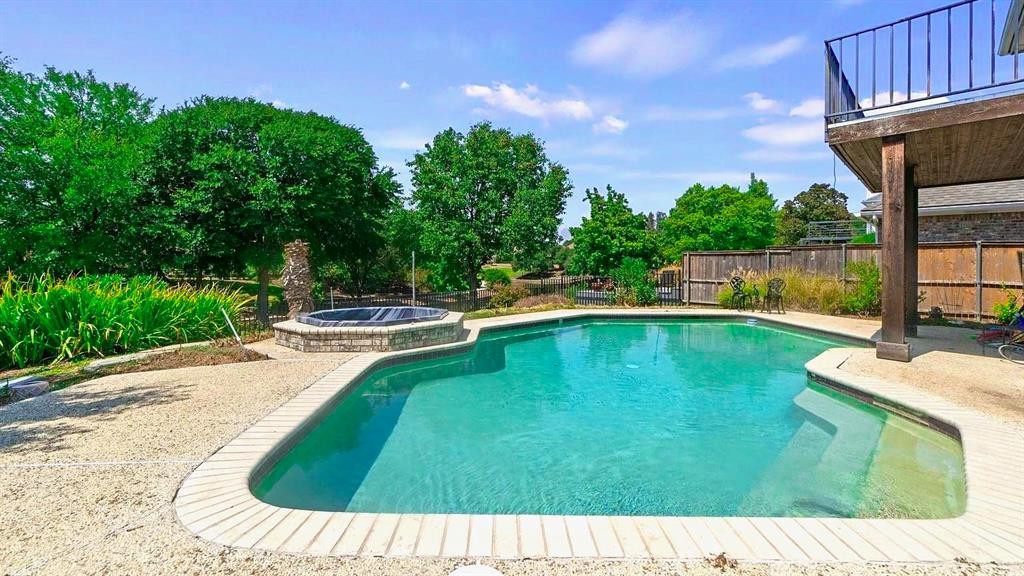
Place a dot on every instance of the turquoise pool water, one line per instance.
(619, 417)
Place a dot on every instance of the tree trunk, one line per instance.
(263, 296)
(297, 278)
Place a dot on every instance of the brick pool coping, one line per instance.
(215, 501)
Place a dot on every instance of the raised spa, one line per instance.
(646, 417)
(381, 316)
(381, 329)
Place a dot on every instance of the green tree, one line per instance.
(719, 218)
(244, 178)
(817, 203)
(612, 233)
(70, 148)
(482, 194)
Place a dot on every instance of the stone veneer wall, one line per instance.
(307, 338)
(971, 227)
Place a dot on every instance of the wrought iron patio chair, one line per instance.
(773, 296)
(739, 294)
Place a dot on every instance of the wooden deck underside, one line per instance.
(978, 141)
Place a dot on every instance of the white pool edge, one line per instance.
(216, 504)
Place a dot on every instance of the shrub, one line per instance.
(543, 300)
(495, 277)
(507, 295)
(1005, 312)
(47, 319)
(804, 291)
(865, 297)
(633, 283)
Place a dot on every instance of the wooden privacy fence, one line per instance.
(965, 279)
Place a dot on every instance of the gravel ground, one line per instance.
(87, 475)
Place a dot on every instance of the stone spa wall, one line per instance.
(306, 338)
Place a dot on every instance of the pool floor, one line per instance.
(619, 418)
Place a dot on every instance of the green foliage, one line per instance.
(243, 178)
(70, 150)
(719, 218)
(495, 277)
(507, 295)
(865, 297)
(634, 285)
(868, 238)
(804, 291)
(1006, 312)
(612, 233)
(47, 319)
(485, 193)
(818, 203)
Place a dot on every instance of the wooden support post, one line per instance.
(910, 251)
(893, 345)
(979, 285)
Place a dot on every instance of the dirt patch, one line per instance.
(186, 358)
(63, 375)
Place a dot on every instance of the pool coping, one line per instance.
(215, 501)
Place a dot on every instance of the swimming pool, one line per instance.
(618, 417)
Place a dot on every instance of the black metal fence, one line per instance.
(580, 290)
(942, 54)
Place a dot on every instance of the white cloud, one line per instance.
(611, 125)
(811, 108)
(758, 102)
(642, 47)
(529, 102)
(263, 93)
(404, 85)
(398, 139)
(787, 133)
(763, 55)
(784, 155)
(882, 98)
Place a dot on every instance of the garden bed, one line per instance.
(63, 375)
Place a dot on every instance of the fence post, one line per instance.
(977, 281)
(767, 261)
(842, 265)
(687, 258)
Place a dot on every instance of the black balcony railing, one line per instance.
(937, 56)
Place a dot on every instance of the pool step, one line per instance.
(805, 480)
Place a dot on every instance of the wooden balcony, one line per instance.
(934, 99)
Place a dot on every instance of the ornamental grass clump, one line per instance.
(45, 319)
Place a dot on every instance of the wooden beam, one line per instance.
(910, 251)
(945, 115)
(892, 345)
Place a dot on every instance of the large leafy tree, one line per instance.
(482, 194)
(817, 203)
(719, 218)
(244, 178)
(612, 233)
(70, 149)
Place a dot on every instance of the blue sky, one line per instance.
(647, 97)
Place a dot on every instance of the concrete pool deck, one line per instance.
(89, 476)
